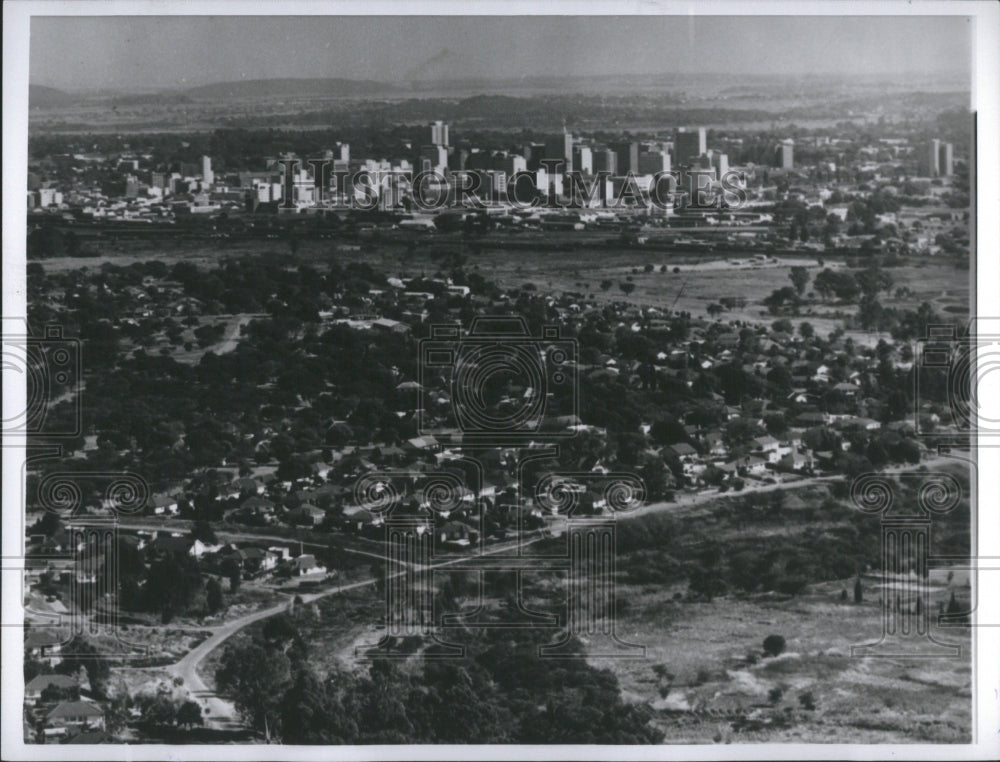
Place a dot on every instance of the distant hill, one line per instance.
(147, 99)
(40, 96)
(270, 88)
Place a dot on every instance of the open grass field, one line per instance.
(691, 281)
(721, 688)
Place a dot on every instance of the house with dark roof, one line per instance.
(166, 544)
(684, 451)
(306, 565)
(306, 515)
(769, 448)
(40, 683)
(44, 645)
(75, 715)
(754, 466)
(163, 504)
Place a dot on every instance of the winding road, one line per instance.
(221, 714)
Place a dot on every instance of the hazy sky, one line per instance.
(135, 52)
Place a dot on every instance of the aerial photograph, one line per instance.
(540, 380)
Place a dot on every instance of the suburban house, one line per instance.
(74, 715)
(166, 544)
(43, 645)
(306, 514)
(163, 504)
(454, 532)
(768, 447)
(306, 565)
(39, 684)
(715, 442)
(795, 461)
(247, 486)
(199, 548)
(755, 466)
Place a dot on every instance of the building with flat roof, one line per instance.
(785, 154)
(690, 143)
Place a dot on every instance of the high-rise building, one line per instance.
(946, 159)
(434, 158)
(605, 160)
(721, 163)
(652, 162)
(627, 153)
(439, 134)
(690, 144)
(583, 159)
(784, 155)
(561, 149)
(931, 164)
(207, 175)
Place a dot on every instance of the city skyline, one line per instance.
(152, 52)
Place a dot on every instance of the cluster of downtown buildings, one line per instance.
(687, 179)
(565, 170)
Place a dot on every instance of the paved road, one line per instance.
(152, 526)
(221, 713)
(689, 501)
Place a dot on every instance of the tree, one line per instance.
(800, 278)
(780, 299)
(202, 530)
(830, 283)
(79, 654)
(313, 713)
(213, 595)
(859, 595)
(606, 284)
(232, 571)
(626, 287)
(254, 678)
(806, 331)
(774, 645)
(189, 714)
(158, 710)
(172, 583)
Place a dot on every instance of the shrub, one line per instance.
(791, 585)
(807, 700)
(774, 645)
(774, 695)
